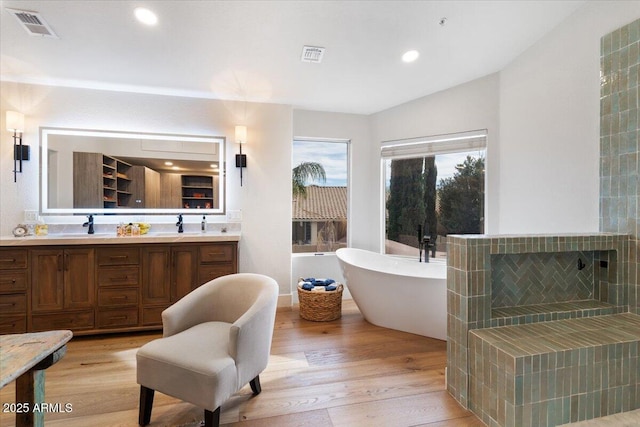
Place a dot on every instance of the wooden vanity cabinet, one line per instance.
(156, 283)
(118, 287)
(103, 288)
(184, 271)
(172, 272)
(62, 288)
(14, 277)
(217, 260)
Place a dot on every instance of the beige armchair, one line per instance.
(215, 340)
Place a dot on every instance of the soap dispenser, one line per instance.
(203, 224)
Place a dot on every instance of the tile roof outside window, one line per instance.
(321, 204)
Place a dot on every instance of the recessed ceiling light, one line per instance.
(168, 163)
(410, 56)
(145, 16)
(175, 168)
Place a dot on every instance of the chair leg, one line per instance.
(212, 419)
(255, 385)
(146, 404)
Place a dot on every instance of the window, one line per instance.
(433, 187)
(320, 180)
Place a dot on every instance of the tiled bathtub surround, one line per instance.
(546, 374)
(469, 279)
(619, 147)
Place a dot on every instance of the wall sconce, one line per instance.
(241, 159)
(15, 124)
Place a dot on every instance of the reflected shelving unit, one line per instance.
(197, 191)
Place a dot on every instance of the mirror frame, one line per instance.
(44, 185)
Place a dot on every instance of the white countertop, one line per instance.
(107, 239)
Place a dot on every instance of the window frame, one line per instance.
(347, 143)
(459, 142)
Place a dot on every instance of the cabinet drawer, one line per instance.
(152, 315)
(13, 259)
(216, 253)
(13, 303)
(74, 321)
(13, 281)
(13, 324)
(118, 256)
(117, 318)
(117, 297)
(110, 276)
(210, 272)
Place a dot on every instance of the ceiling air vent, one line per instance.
(33, 23)
(312, 54)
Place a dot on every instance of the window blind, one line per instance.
(438, 144)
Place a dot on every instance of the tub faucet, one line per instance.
(89, 224)
(426, 244)
(179, 224)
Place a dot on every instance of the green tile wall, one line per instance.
(619, 148)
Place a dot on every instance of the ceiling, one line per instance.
(251, 50)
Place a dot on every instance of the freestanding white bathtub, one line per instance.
(396, 292)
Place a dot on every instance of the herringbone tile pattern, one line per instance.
(541, 278)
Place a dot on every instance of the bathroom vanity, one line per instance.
(99, 284)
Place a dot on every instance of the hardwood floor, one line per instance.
(341, 373)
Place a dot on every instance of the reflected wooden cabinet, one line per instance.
(145, 187)
(171, 195)
(62, 288)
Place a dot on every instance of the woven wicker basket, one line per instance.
(320, 306)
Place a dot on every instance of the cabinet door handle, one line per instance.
(11, 260)
(8, 282)
(59, 262)
(119, 297)
(66, 262)
(216, 253)
(117, 317)
(119, 279)
(114, 257)
(7, 304)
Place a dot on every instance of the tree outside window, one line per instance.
(433, 196)
(319, 182)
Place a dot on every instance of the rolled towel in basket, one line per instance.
(330, 288)
(319, 282)
(307, 286)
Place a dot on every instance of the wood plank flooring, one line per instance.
(331, 374)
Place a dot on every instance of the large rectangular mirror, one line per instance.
(90, 171)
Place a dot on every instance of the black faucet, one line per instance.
(179, 224)
(89, 224)
(424, 242)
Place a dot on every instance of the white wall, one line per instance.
(470, 106)
(363, 189)
(264, 198)
(549, 125)
(353, 127)
(542, 114)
